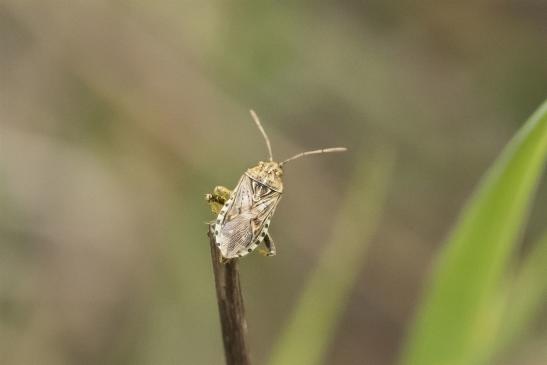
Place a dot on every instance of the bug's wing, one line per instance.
(263, 210)
(239, 229)
(243, 197)
(232, 229)
(262, 213)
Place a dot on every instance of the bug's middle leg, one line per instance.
(270, 246)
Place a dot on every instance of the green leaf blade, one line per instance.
(528, 295)
(449, 328)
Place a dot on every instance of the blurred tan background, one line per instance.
(116, 117)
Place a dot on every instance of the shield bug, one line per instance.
(244, 219)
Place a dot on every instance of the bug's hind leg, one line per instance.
(270, 246)
(217, 199)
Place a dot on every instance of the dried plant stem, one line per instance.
(230, 306)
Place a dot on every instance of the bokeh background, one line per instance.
(116, 117)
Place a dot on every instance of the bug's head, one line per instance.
(269, 173)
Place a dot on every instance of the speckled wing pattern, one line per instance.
(243, 222)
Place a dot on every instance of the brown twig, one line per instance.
(230, 306)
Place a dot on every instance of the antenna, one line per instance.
(316, 152)
(257, 121)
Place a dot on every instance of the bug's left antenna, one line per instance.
(257, 121)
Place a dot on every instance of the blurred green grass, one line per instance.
(312, 325)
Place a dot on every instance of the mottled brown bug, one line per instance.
(244, 219)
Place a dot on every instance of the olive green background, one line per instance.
(116, 117)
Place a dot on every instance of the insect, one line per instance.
(244, 219)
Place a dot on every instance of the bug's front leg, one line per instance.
(270, 246)
(217, 199)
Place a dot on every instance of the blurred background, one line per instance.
(116, 117)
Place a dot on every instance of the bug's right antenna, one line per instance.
(257, 121)
(316, 152)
